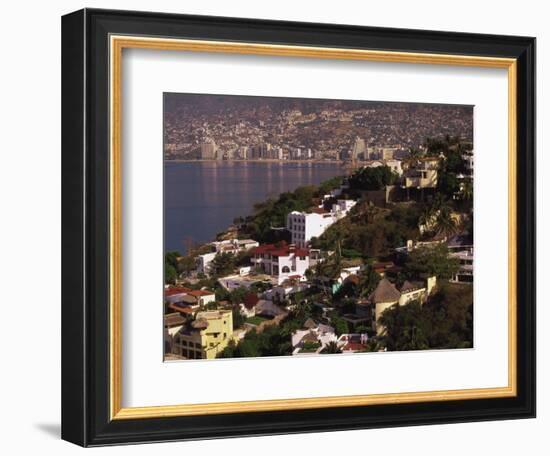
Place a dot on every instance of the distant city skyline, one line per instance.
(234, 127)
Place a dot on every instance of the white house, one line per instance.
(204, 261)
(281, 260)
(285, 289)
(313, 334)
(304, 226)
(342, 207)
(234, 245)
(465, 273)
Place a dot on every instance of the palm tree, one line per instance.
(444, 222)
(426, 218)
(331, 348)
(374, 345)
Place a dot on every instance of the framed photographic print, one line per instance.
(276, 227)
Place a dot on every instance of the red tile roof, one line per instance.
(353, 346)
(176, 290)
(181, 309)
(200, 293)
(280, 249)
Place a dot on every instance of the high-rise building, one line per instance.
(208, 150)
(358, 149)
(260, 151)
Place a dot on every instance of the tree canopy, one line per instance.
(431, 261)
(445, 321)
(367, 178)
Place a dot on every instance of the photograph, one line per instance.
(301, 227)
(285, 224)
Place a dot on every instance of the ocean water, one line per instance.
(203, 198)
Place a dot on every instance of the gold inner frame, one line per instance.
(117, 44)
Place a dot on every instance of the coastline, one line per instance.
(255, 160)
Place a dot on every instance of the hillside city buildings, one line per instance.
(198, 326)
(207, 313)
(203, 127)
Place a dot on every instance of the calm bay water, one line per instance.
(203, 198)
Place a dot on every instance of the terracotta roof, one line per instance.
(173, 319)
(353, 346)
(200, 292)
(182, 309)
(280, 249)
(385, 292)
(176, 290)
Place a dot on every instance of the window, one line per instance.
(286, 270)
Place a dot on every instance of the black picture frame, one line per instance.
(85, 224)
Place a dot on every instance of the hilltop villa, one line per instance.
(281, 260)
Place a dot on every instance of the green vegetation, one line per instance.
(368, 234)
(372, 178)
(431, 261)
(445, 321)
(331, 348)
(223, 264)
(238, 318)
(272, 341)
(340, 325)
(310, 347)
(329, 185)
(406, 327)
(372, 231)
(171, 267)
(256, 320)
(272, 213)
(452, 149)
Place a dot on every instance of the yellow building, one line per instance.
(206, 336)
(386, 295)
